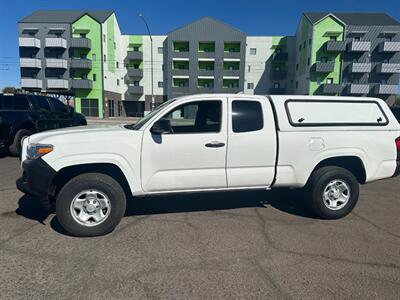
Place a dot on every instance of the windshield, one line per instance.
(150, 115)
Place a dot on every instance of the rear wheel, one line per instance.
(90, 204)
(15, 147)
(333, 192)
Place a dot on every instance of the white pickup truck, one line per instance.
(329, 145)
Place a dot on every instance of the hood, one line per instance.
(76, 133)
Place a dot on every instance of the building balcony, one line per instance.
(360, 46)
(56, 63)
(389, 46)
(204, 72)
(30, 63)
(57, 83)
(231, 90)
(275, 90)
(180, 89)
(135, 72)
(283, 56)
(31, 83)
(281, 74)
(332, 88)
(386, 89)
(134, 55)
(360, 67)
(83, 43)
(82, 84)
(235, 73)
(335, 46)
(180, 72)
(81, 63)
(30, 42)
(182, 54)
(232, 55)
(324, 67)
(135, 89)
(55, 43)
(205, 90)
(388, 68)
(358, 89)
(206, 54)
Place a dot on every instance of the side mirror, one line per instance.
(161, 126)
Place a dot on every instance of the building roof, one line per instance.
(65, 16)
(367, 19)
(207, 19)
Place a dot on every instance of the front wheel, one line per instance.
(333, 192)
(90, 204)
(15, 147)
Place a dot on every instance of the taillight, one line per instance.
(398, 148)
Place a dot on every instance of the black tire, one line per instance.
(15, 147)
(90, 181)
(320, 180)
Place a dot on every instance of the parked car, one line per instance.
(396, 112)
(327, 145)
(22, 115)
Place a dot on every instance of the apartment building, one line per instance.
(84, 56)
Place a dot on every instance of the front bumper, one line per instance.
(397, 172)
(37, 178)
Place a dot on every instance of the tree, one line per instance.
(11, 90)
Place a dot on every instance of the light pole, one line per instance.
(153, 104)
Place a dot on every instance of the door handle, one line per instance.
(215, 144)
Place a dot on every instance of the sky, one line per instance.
(254, 17)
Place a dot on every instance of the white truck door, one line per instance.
(193, 156)
(252, 143)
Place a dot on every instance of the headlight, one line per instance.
(35, 151)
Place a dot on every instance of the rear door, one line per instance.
(252, 143)
(63, 117)
(46, 119)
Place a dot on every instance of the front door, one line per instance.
(191, 157)
(252, 144)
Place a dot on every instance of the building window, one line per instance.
(94, 77)
(329, 80)
(90, 107)
(136, 83)
(117, 64)
(300, 48)
(297, 67)
(309, 41)
(278, 50)
(160, 84)
(250, 86)
(297, 84)
(160, 50)
(357, 38)
(94, 56)
(304, 44)
(324, 59)
(249, 68)
(136, 48)
(105, 58)
(308, 61)
(115, 46)
(333, 38)
(253, 51)
(117, 81)
(84, 76)
(277, 85)
(318, 81)
(104, 38)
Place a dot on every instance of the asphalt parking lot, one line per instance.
(216, 245)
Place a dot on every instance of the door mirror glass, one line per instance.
(161, 126)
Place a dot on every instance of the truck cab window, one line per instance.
(196, 117)
(42, 104)
(246, 116)
(58, 105)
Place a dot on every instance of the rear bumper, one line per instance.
(37, 178)
(397, 172)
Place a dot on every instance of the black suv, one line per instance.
(22, 115)
(396, 112)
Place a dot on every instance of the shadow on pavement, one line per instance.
(287, 201)
(31, 208)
